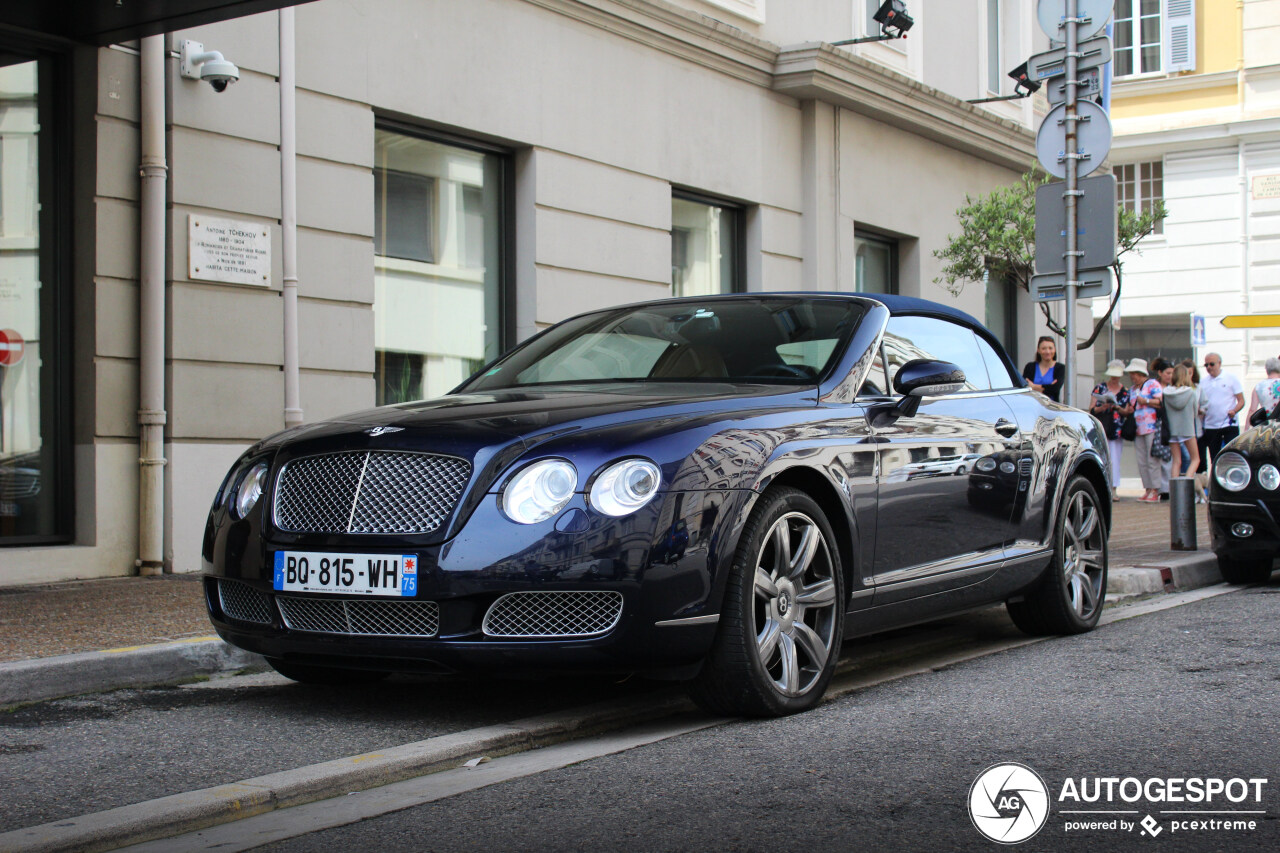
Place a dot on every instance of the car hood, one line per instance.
(463, 423)
(1258, 442)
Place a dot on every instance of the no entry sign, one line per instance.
(12, 347)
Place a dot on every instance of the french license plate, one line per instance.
(347, 574)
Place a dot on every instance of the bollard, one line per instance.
(1182, 513)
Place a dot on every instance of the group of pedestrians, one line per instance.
(1177, 419)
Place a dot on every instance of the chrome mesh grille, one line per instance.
(1024, 467)
(554, 614)
(358, 616)
(243, 602)
(369, 492)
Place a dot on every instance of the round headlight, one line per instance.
(625, 486)
(1008, 467)
(539, 491)
(986, 463)
(1269, 477)
(249, 490)
(1232, 472)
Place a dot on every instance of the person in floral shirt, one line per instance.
(1147, 398)
(1267, 392)
(1110, 405)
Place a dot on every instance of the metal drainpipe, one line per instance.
(151, 338)
(289, 218)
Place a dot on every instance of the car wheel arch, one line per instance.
(1091, 469)
(833, 504)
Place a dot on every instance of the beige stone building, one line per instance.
(466, 173)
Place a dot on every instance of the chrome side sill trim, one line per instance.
(692, 620)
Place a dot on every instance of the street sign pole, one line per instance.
(1071, 196)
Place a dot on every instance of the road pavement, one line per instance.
(1186, 692)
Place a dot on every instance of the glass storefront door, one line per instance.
(32, 424)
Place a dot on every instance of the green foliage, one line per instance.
(998, 233)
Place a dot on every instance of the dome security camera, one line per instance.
(210, 66)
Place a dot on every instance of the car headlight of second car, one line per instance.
(539, 491)
(625, 486)
(1269, 477)
(1232, 472)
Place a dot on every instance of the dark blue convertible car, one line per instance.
(716, 489)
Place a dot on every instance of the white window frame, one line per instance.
(1137, 200)
(752, 10)
(1177, 39)
(994, 52)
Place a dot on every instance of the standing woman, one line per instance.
(1045, 374)
(1181, 404)
(1146, 397)
(1111, 415)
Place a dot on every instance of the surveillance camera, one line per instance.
(196, 63)
(219, 73)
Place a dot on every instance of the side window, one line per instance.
(1001, 378)
(909, 338)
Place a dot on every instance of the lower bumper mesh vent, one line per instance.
(554, 614)
(244, 603)
(358, 616)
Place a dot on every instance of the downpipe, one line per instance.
(151, 338)
(289, 217)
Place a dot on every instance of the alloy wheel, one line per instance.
(1082, 554)
(794, 605)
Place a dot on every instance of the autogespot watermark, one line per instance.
(1009, 803)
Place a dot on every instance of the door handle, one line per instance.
(1006, 428)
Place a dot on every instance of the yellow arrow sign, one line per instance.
(1251, 321)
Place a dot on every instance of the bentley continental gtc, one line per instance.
(720, 490)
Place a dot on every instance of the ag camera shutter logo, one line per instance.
(1009, 803)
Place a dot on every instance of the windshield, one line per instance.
(786, 341)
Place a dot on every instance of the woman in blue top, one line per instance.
(1045, 374)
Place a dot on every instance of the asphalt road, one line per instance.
(1187, 692)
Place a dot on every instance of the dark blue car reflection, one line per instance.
(718, 489)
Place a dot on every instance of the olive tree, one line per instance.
(998, 238)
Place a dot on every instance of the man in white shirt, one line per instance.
(1224, 396)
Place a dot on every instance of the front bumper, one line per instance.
(667, 582)
(1223, 514)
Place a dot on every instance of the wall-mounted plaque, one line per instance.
(228, 250)
(1266, 186)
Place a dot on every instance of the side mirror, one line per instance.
(922, 377)
(1258, 418)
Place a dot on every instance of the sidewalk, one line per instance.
(82, 636)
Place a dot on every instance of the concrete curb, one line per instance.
(135, 666)
(1183, 572)
(195, 810)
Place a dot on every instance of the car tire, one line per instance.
(306, 673)
(1069, 596)
(1237, 571)
(780, 630)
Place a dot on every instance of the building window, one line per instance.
(1137, 37)
(35, 445)
(1139, 186)
(706, 244)
(875, 264)
(438, 263)
(995, 64)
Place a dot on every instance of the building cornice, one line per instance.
(1171, 83)
(814, 71)
(821, 72)
(679, 32)
(1197, 137)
